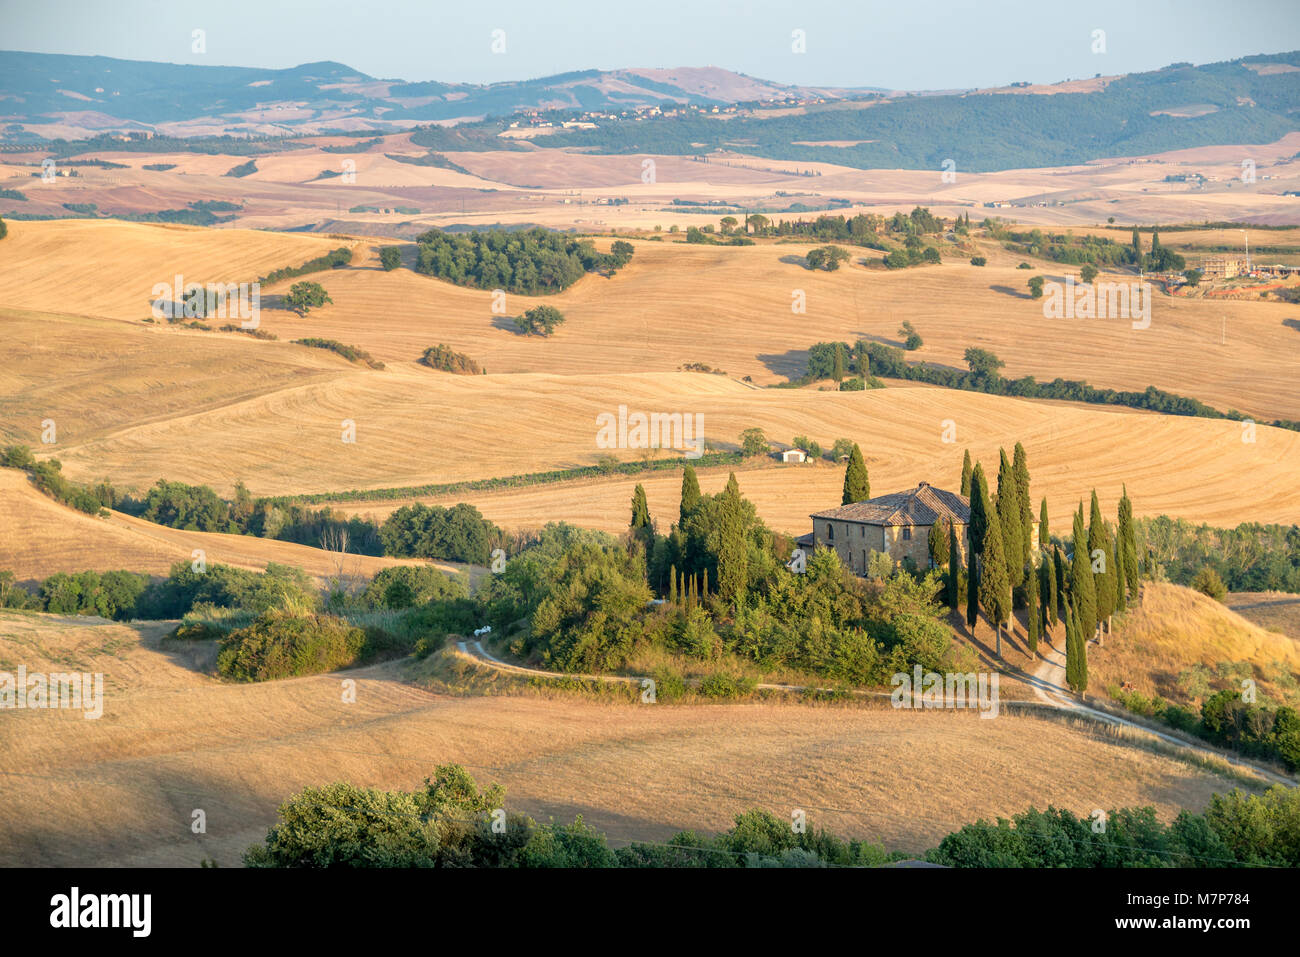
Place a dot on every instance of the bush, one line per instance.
(405, 586)
(1208, 582)
(390, 257)
(444, 359)
(727, 686)
(283, 645)
(351, 353)
(978, 261)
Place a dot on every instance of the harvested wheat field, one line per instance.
(726, 307)
(1274, 610)
(415, 428)
(121, 790)
(108, 268)
(43, 537)
(1176, 629)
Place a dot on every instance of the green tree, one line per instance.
(539, 321)
(1047, 589)
(1128, 542)
(690, 495)
(1121, 579)
(857, 484)
(1061, 579)
(954, 568)
(1008, 509)
(1034, 613)
(965, 474)
(305, 296)
(1099, 540)
(754, 442)
(937, 541)
(994, 584)
(1083, 594)
(733, 551)
(1136, 247)
(4, 230)
(1076, 651)
(1036, 287)
(1020, 467)
(1088, 272)
(640, 523)
(839, 362)
(1044, 535)
(1208, 582)
(390, 257)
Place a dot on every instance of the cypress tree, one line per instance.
(1008, 509)
(690, 495)
(965, 474)
(937, 542)
(1071, 647)
(1137, 247)
(1058, 567)
(839, 362)
(1083, 594)
(640, 509)
(857, 486)
(1047, 589)
(1031, 589)
(733, 550)
(1099, 540)
(954, 568)
(995, 585)
(672, 585)
(1121, 580)
(980, 507)
(1020, 467)
(1128, 542)
(972, 588)
(1044, 537)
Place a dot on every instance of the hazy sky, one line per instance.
(911, 44)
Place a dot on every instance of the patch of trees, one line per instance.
(826, 257)
(159, 167)
(351, 353)
(279, 644)
(13, 194)
(48, 476)
(106, 594)
(334, 259)
(1250, 557)
(243, 169)
(390, 257)
(532, 262)
(429, 159)
(727, 599)
(459, 533)
(1237, 829)
(443, 358)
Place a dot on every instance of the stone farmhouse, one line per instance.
(897, 524)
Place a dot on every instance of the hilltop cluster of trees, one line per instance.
(1088, 249)
(724, 594)
(533, 261)
(335, 259)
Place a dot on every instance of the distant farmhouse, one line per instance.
(897, 524)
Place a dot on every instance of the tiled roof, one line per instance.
(923, 505)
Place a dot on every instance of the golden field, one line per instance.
(121, 790)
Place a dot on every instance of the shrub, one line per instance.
(351, 353)
(305, 296)
(406, 585)
(444, 359)
(283, 645)
(1208, 582)
(390, 257)
(719, 685)
(978, 261)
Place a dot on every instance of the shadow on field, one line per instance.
(1008, 291)
(791, 363)
(1292, 324)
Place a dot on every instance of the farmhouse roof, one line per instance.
(923, 505)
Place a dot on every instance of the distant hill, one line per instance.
(52, 95)
(1252, 100)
